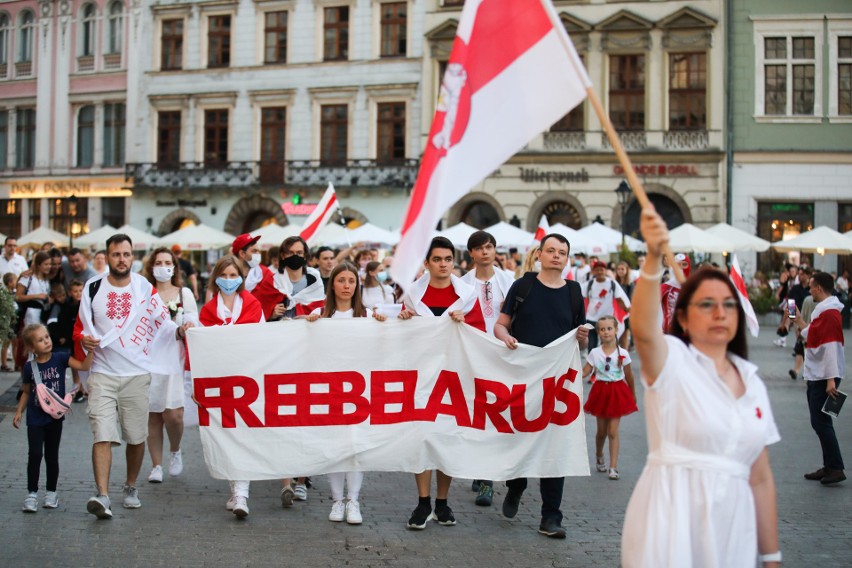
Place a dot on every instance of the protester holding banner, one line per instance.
(707, 494)
(540, 308)
(166, 394)
(231, 305)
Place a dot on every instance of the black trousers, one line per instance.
(823, 425)
(551, 495)
(44, 442)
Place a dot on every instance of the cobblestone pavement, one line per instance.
(183, 521)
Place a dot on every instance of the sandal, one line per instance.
(600, 464)
(7, 369)
(613, 474)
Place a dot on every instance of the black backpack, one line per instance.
(525, 284)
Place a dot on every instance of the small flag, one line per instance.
(543, 229)
(736, 276)
(319, 218)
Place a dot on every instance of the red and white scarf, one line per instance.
(466, 293)
(824, 342)
(308, 295)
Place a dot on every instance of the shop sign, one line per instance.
(63, 188)
(533, 175)
(301, 209)
(671, 170)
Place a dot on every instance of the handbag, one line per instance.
(50, 402)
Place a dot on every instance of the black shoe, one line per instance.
(792, 374)
(511, 503)
(444, 516)
(833, 476)
(418, 518)
(475, 486)
(551, 529)
(486, 495)
(815, 475)
(79, 397)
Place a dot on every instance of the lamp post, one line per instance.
(624, 193)
(72, 211)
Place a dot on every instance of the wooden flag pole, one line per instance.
(632, 178)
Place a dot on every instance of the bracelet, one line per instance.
(772, 557)
(652, 277)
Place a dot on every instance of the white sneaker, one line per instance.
(51, 500)
(300, 492)
(175, 463)
(131, 498)
(338, 512)
(241, 509)
(353, 513)
(31, 503)
(613, 474)
(156, 475)
(229, 504)
(780, 342)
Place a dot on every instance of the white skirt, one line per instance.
(166, 392)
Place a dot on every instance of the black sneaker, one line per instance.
(792, 374)
(816, 475)
(418, 518)
(551, 529)
(79, 397)
(833, 476)
(511, 503)
(475, 486)
(444, 516)
(486, 494)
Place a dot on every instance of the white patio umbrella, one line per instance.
(96, 238)
(578, 241)
(821, 240)
(689, 238)
(604, 240)
(737, 239)
(848, 234)
(141, 239)
(198, 237)
(369, 233)
(458, 234)
(510, 236)
(333, 235)
(274, 234)
(43, 235)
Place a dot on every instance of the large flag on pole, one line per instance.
(512, 73)
(739, 283)
(319, 218)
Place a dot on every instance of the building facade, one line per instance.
(63, 84)
(792, 111)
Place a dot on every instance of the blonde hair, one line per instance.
(29, 331)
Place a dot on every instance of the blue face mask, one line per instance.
(382, 276)
(229, 286)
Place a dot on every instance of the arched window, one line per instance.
(480, 214)
(86, 137)
(87, 37)
(4, 42)
(565, 213)
(116, 27)
(25, 45)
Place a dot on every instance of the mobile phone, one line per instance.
(791, 309)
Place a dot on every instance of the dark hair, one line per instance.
(7, 278)
(558, 237)
(6, 242)
(148, 270)
(580, 254)
(57, 287)
(102, 251)
(53, 253)
(480, 238)
(219, 268)
(74, 282)
(737, 345)
(118, 238)
(807, 270)
(824, 280)
(323, 249)
(330, 307)
(74, 251)
(371, 281)
(285, 247)
(273, 253)
(440, 243)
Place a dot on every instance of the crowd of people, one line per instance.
(705, 498)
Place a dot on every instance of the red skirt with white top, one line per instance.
(610, 400)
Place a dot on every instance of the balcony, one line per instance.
(192, 175)
(23, 69)
(112, 61)
(565, 141)
(360, 173)
(686, 140)
(592, 141)
(630, 140)
(86, 63)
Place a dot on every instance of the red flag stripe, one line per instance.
(309, 231)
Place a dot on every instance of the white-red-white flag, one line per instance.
(512, 73)
(543, 229)
(319, 218)
(736, 276)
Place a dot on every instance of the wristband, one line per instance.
(773, 557)
(652, 277)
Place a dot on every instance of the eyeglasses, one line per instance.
(606, 367)
(710, 306)
(488, 293)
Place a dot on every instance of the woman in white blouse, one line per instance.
(374, 292)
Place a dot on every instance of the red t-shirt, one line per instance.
(439, 299)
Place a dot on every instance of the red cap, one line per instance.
(176, 249)
(598, 264)
(243, 241)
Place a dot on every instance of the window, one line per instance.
(87, 36)
(116, 23)
(687, 91)
(480, 214)
(25, 45)
(627, 91)
(219, 41)
(171, 45)
(70, 215)
(25, 139)
(10, 216)
(336, 34)
(168, 139)
(216, 137)
(787, 58)
(390, 136)
(334, 129)
(4, 43)
(393, 25)
(575, 120)
(844, 75)
(275, 34)
(85, 136)
(112, 211)
(4, 140)
(273, 128)
(780, 221)
(114, 134)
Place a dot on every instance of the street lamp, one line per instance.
(72, 211)
(624, 193)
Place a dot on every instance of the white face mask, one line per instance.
(163, 273)
(255, 260)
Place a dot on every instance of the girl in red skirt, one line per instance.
(613, 393)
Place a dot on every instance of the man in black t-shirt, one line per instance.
(552, 307)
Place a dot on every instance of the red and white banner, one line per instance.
(542, 230)
(434, 394)
(512, 73)
(736, 275)
(320, 216)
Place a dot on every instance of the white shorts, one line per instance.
(166, 392)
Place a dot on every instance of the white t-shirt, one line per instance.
(34, 286)
(600, 298)
(111, 309)
(607, 368)
(344, 314)
(582, 273)
(16, 264)
(490, 300)
(375, 295)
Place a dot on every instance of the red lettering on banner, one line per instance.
(227, 400)
(482, 408)
(571, 401)
(380, 397)
(518, 407)
(448, 383)
(303, 399)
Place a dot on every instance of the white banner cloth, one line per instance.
(362, 395)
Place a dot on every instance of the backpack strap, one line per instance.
(93, 290)
(524, 287)
(36, 373)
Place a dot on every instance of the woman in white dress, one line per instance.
(706, 497)
(166, 394)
